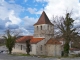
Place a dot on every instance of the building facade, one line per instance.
(42, 42)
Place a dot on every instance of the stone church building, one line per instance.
(42, 42)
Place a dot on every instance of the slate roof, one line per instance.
(53, 41)
(43, 19)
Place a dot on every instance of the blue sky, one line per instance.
(22, 14)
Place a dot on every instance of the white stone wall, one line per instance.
(33, 49)
(41, 47)
(46, 29)
(17, 48)
(53, 50)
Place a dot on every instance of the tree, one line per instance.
(28, 46)
(10, 40)
(68, 31)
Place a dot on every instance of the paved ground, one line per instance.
(4, 56)
(11, 57)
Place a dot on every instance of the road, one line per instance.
(12, 57)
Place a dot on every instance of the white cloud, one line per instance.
(5, 8)
(59, 7)
(11, 1)
(2, 0)
(40, 0)
(10, 11)
(25, 0)
(30, 21)
(26, 26)
(23, 31)
(40, 11)
(32, 10)
(13, 18)
(53, 7)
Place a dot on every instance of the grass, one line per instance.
(20, 54)
(25, 55)
(39, 56)
(43, 56)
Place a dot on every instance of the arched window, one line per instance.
(37, 27)
(48, 27)
(41, 47)
(21, 47)
(41, 27)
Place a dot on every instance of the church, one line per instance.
(42, 42)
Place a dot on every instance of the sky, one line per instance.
(21, 15)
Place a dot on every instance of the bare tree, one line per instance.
(65, 26)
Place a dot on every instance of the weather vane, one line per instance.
(43, 7)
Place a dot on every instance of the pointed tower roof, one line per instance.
(43, 19)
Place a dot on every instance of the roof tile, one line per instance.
(53, 41)
(23, 39)
(36, 40)
(32, 41)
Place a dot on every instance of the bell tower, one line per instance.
(43, 27)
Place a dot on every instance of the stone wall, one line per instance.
(33, 49)
(42, 30)
(19, 48)
(53, 50)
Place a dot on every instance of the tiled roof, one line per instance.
(53, 41)
(43, 19)
(36, 40)
(32, 41)
(23, 39)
